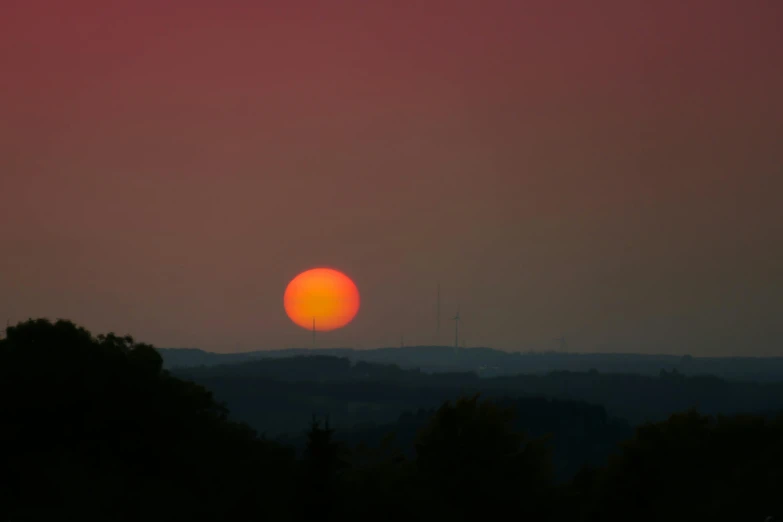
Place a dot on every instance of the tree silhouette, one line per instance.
(381, 484)
(695, 467)
(93, 429)
(324, 459)
(470, 455)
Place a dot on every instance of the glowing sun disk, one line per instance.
(322, 294)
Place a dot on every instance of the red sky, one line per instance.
(609, 170)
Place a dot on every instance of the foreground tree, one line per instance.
(381, 485)
(694, 467)
(318, 493)
(94, 429)
(472, 460)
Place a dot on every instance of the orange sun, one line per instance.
(327, 296)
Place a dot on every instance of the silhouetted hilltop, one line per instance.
(487, 362)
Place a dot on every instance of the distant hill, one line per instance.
(487, 362)
(278, 395)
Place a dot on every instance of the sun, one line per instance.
(323, 295)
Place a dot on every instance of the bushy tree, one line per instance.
(94, 429)
(472, 460)
(381, 484)
(695, 467)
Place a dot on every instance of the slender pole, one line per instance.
(437, 324)
(313, 332)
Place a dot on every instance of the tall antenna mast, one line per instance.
(313, 332)
(437, 326)
(456, 330)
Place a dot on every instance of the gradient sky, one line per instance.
(608, 170)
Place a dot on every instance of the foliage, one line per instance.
(471, 458)
(94, 429)
(695, 467)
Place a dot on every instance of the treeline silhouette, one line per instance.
(579, 434)
(94, 429)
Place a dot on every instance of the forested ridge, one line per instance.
(95, 429)
(365, 392)
(488, 362)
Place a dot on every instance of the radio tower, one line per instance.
(313, 332)
(437, 320)
(456, 330)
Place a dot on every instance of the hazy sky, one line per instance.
(608, 170)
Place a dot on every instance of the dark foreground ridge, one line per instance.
(94, 429)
